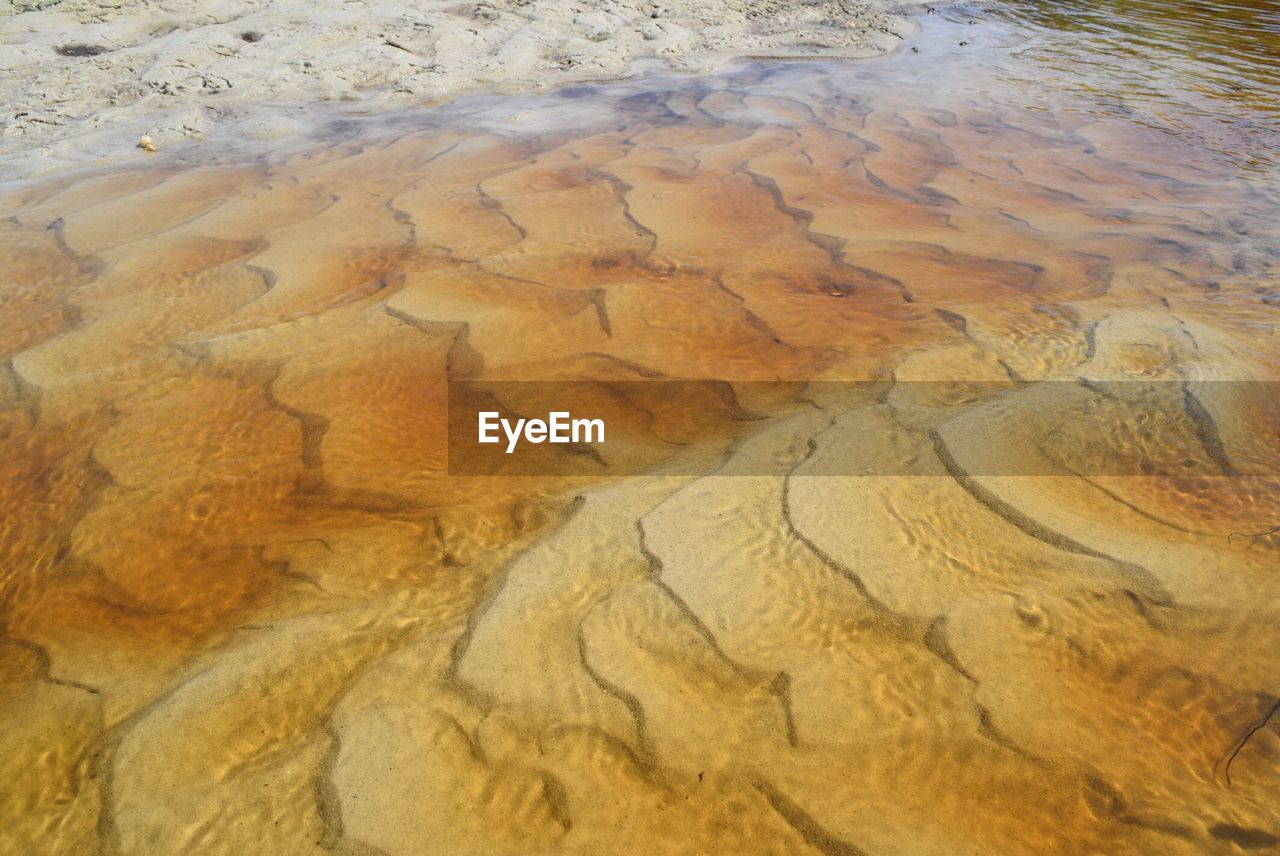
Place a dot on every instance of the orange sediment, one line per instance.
(246, 606)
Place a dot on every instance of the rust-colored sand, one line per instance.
(246, 610)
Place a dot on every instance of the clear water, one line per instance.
(245, 608)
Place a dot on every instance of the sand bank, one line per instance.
(81, 80)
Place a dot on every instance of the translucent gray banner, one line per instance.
(1081, 427)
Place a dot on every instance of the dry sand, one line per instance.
(185, 69)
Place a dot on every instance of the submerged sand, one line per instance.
(247, 610)
(81, 80)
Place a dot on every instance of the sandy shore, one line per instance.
(83, 79)
(249, 606)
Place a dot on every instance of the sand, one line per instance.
(247, 609)
(183, 71)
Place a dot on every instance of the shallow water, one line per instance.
(1208, 72)
(246, 607)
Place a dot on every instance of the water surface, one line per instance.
(246, 608)
(1205, 70)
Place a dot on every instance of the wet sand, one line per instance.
(81, 80)
(247, 609)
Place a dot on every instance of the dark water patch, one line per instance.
(81, 50)
(1244, 837)
(1195, 67)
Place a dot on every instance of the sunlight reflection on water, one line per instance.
(1205, 69)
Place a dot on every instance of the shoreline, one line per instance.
(929, 516)
(86, 80)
